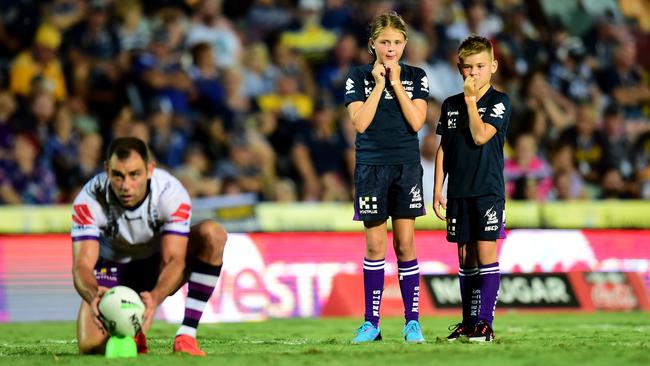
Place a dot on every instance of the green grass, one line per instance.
(619, 339)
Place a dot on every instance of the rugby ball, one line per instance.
(122, 311)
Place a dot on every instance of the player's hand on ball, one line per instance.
(439, 203)
(150, 305)
(94, 306)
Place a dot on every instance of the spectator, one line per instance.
(323, 158)
(61, 148)
(210, 93)
(7, 109)
(210, 26)
(194, 173)
(623, 81)
(567, 181)
(527, 175)
(39, 66)
(24, 178)
(88, 165)
(589, 144)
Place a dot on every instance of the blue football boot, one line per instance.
(412, 332)
(367, 333)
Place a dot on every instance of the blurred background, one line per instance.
(243, 101)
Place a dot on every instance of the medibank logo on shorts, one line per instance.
(367, 205)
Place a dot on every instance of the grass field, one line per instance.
(620, 339)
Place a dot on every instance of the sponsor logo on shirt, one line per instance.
(424, 84)
(498, 110)
(349, 85)
(451, 122)
(82, 215)
(182, 213)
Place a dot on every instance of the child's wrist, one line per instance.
(470, 98)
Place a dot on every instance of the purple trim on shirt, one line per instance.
(85, 237)
(175, 233)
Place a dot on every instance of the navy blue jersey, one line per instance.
(474, 170)
(389, 139)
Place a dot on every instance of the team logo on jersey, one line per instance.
(368, 205)
(82, 215)
(491, 216)
(416, 197)
(182, 213)
(424, 84)
(497, 110)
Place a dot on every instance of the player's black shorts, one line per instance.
(476, 218)
(388, 190)
(140, 275)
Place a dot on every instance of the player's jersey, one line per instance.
(388, 139)
(474, 170)
(133, 233)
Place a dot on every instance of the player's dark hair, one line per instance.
(123, 146)
(473, 45)
(387, 20)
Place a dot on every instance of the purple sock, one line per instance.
(200, 285)
(467, 278)
(490, 279)
(409, 285)
(373, 284)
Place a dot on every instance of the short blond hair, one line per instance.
(473, 45)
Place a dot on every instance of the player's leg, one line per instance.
(373, 280)
(491, 222)
(90, 338)
(458, 231)
(204, 260)
(409, 277)
(370, 206)
(405, 204)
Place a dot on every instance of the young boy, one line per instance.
(473, 127)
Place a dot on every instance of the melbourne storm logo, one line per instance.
(416, 197)
(491, 216)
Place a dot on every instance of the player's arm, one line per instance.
(173, 251)
(362, 113)
(481, 132)
(84, 258)
(438, 180)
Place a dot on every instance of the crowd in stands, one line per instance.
(237, 96)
